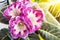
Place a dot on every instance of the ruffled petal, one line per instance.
(13, 10)
(24, 19)
(35, 16)
(16, 29)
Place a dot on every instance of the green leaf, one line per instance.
(49, 32)
(19, 39)
(5, 34)
(3, 19)
(33, 36)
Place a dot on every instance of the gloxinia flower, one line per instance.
(29, 22)
(18, 27)
(13, 10)
(35, 17)
(16, 8)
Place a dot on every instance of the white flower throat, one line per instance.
(20, 27)
(14, 12)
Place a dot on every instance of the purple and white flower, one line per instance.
(18, 27)
(13, 10)
(35, 17)
(23, 25)
(24, 19)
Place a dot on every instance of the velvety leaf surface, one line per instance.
(49, 32)
(5, 34)
(33, 36)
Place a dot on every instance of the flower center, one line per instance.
(33, 7)
(21, 25)
(16, 12)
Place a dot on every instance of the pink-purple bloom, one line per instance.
(24, 19)
(23, 25)
(18, 27)
(14, 10)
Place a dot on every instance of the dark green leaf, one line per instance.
(5, 34)
(33, 36)
(3, 19)
(49, 32)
